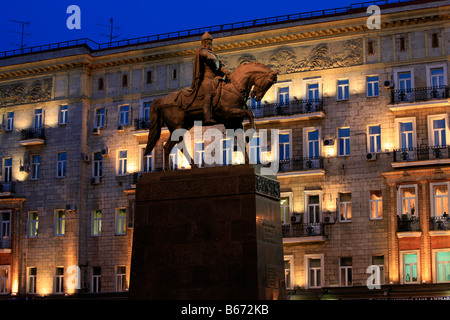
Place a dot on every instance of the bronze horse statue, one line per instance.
(229, 106)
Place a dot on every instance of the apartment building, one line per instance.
(363, 157)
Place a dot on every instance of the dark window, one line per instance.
(370, 47)
(434, 40)
(402, 44)
(149, 77)
(125, 80)
(100, 84)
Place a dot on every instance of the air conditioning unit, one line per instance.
(105, 152)
(96, 131)
(95, 180)
(295, 218)
(389, 84)
(328, 142)
(371, 156)
(120, 128)
(86, 157)
(328, 219)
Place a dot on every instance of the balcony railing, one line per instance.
(142, 124)
(297, 230)
(27, 134)
(408, 223)
(300, 164)
(440, 223)
(7, 187)
(422, 153)
(5, 243)
(295, 107)
(419, 94)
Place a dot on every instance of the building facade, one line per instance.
(364, 163)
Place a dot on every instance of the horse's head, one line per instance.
(262, 84)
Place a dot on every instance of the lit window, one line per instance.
(408, 201)
(288, 272)
(345, 272)
(345, 207)
(374, 138)
(4, 280)
(121, 221)
(60, 222)
(344, 141)
(443, 266)
(440, 199)
(410, 272)
(372, 86)
(285, 210)
(33, 221)
(314, 266)
(122, 165)
(97, 222)
(342, 89)
(31, 280)
(61, 165)
(376, 205)
(63, 114)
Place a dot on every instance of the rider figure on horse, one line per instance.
(207, 67)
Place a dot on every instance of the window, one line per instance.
(124, 115)
(96, 279)
(285, 209)
(31, 280)
(345, 272)
(121, 221)
(146, 111)
(97, 165)
(122, 162)
(59, 280)
(227, 154)
(402, 43)
(100, 84)
(410, 268)
(434, 40)
(7, 170)
(121, 281)
(379, 261)
(312, 143)
(149, 77)
(147, 161)
(437, 77)
(33, 220)
(199, 153)
(61, 165)
(60, 222)
(255, 150)
(10, 121)
(254, 104)
(344, 141)
(437, 130)
(4, 280)
(314, 274)
(345, 207)
(5, 229)
(312, 92)
(63, 114)
(443, 266)
(370, 47)
(408, 201)
(125, 80)
(313, 208)
(174, 74)
(177, 160)
(288, 271)
(440, 199)
(35, 167)
(283, 96)
(284, 145)
(342, 89)
(376, 205)
(38, 118)
(97, 222)
(99, 121)
(404, 80)
(374, 138)
(406, 136)
(372, 83)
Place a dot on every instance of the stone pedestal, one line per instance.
(211, 233)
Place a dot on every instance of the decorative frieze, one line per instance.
(26, 92)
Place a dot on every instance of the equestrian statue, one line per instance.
(216, 96)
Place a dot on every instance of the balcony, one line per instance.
(440, 223)
(7, 189)
(303, 232)
(31, 137)
(307, 108)
(408, 225)
(5, 243)
(420, 156)
(404, 99)
(301, 166)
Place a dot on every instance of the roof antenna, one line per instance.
(22, 33)
(111, 27)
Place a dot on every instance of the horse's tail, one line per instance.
(154, 132)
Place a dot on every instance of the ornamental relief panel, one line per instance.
(309, 58)
(26, 92)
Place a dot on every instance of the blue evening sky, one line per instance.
(135, 18)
